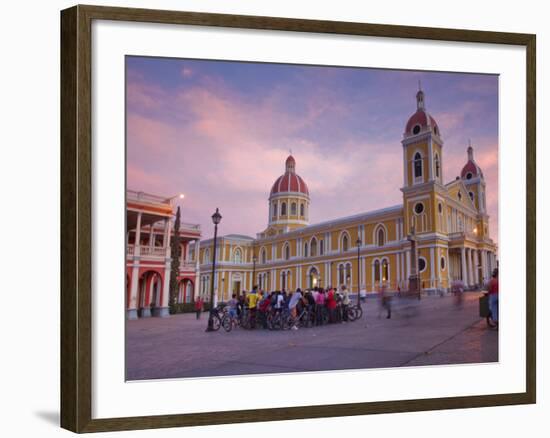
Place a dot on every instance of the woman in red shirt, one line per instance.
(331, 304)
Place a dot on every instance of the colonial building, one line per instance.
(149, 222)
(447, 221)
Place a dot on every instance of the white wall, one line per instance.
(29, 139)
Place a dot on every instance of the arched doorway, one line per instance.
(149, 292)
(313, 277)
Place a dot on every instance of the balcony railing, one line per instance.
(132, 195)
(463, 234)
(187, 266)
(155, 251)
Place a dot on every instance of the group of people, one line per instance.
(258, 303)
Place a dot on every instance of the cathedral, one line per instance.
(444, 223)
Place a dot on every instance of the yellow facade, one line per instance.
(449, 223)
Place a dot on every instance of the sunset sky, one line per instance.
(220, 132)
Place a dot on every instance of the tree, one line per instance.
(175, 265)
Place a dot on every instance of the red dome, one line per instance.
(471, 167)
(290, 181)
(421, 118)
(424, 120)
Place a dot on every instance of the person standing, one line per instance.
(493, 297)
(345, 303)
(198, 307)
(293, 306)
(331, 305)
(252, 302)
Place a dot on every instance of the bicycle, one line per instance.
(229, 321)
(355, 312)
(304, 319)
(216, 318)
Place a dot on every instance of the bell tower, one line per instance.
(422, 169)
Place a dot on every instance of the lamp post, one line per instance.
(216, 219)
(171, 198)
(254, 260)
(358, 243)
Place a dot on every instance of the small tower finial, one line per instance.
(420, 98)
(419, 85)
(470, 150)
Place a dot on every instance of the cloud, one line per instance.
(225, 148)
(187, 72)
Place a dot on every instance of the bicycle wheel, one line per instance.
(358, 312)
(227, 323)
(216, 322)
(352, 313)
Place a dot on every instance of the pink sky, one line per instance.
(220, 132)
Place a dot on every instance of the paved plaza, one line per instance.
(432, 331)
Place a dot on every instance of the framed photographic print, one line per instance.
(283, 210)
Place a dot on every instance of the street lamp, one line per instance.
(216, 219)
(171, 198)
(254, 260)
(358, 243)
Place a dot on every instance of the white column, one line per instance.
(134, 281)
(470, 267)
(408, 263)
(485, 263)
(403, 277)
(197, 268)
(432, 267)
(430, 160)
(151, 237)
(437, 269)
(463, 266)
(448, 267)
(163, 311)
(398, 270)
(364, 272)
(476, 267)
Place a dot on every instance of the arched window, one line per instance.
(385, 270)
(417, 165)
(345, 243)
(313, 247)
(380, 237)
(341, 275)
(263, 257)
(293, 209)
(436, 165)
(321, 247)
(302, 210)
(283, 280)
(274, 209)
(287, 251)
(305, 249)
(283, 209)
(206, 256)
(238, 256)
(376, 271)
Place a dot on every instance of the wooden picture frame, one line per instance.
(76, 217)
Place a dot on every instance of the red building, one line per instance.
(149, 228)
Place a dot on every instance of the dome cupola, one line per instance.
(471, 169)
(290, 181)
(421, 121)
(288, 201)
